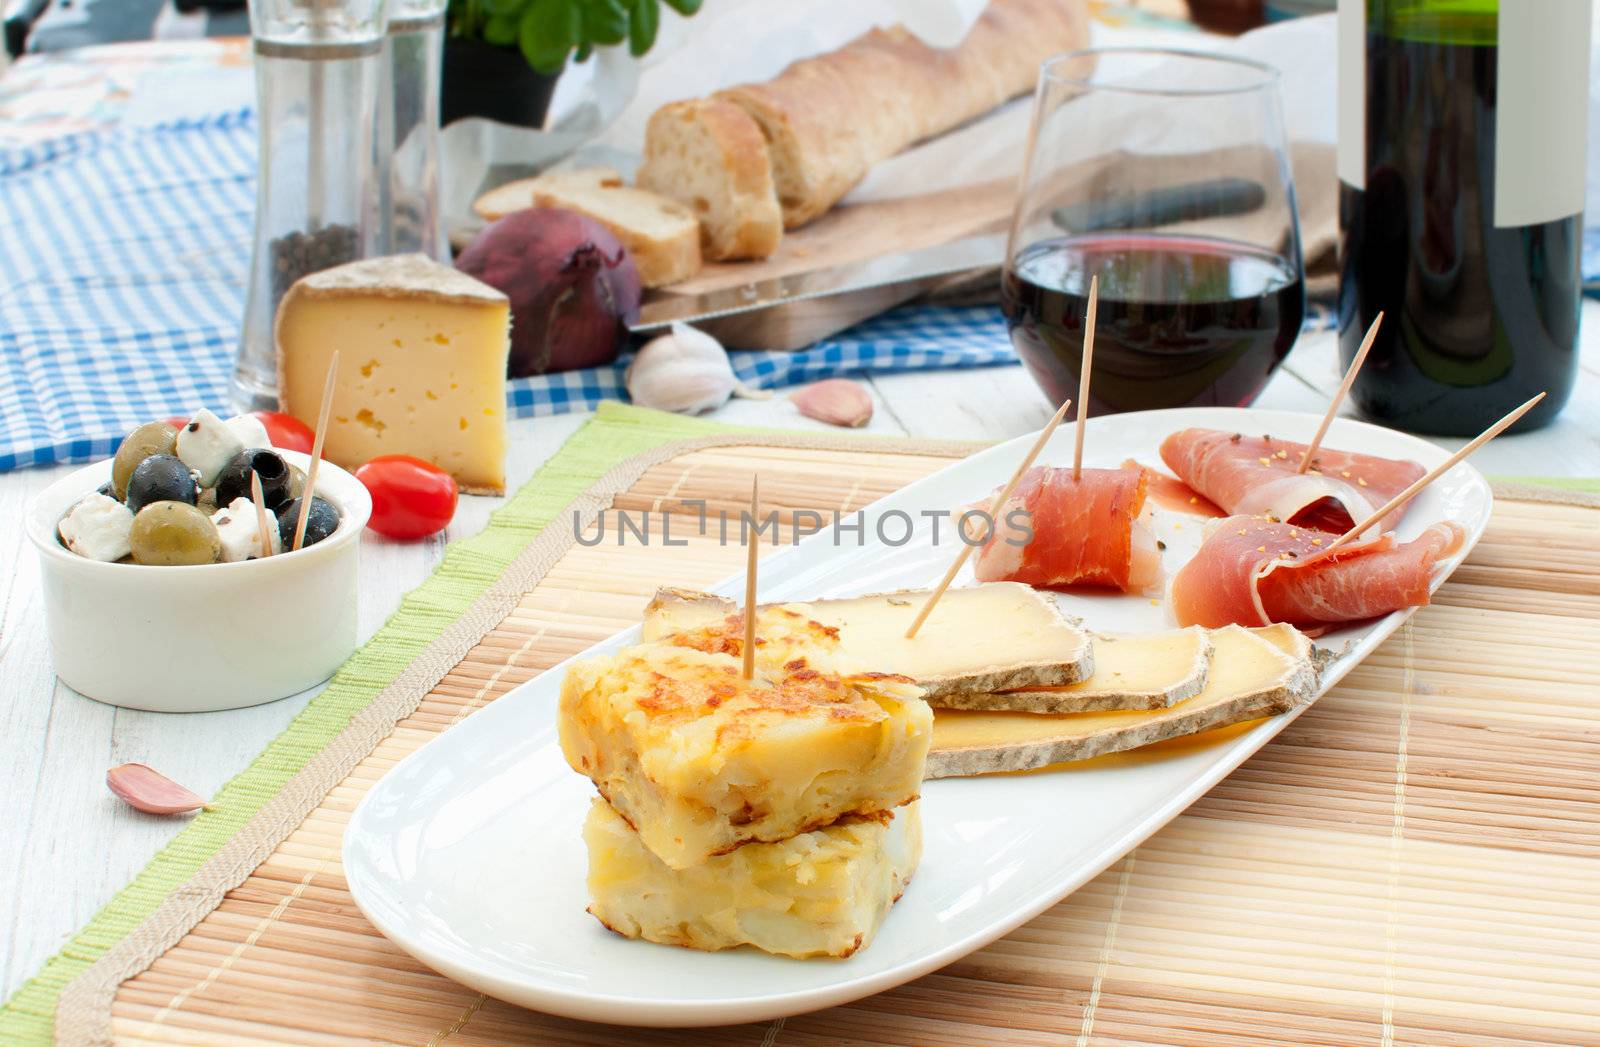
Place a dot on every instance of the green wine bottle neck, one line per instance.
(1470, 23)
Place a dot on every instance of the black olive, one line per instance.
(234, 480)
(322, 521)
(161, 478)
(108, 489)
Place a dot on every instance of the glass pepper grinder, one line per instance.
(317, 66)
(407, 145)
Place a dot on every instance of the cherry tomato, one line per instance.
(176, 421)
(410, 498)
(287, 432)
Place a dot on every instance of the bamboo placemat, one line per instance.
(1417, 859)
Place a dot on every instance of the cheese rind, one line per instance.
(821, 893)
(422, 366)
(992, 637)
(1253, 673)
(701, 761)
(1131, 671)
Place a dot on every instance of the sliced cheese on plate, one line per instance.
(1134, 671)
(1253, 673)
(982, 638)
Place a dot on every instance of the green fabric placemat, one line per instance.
(1563, 483)
(616, 433)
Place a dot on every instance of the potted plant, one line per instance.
(502, 57)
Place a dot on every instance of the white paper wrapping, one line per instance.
(602, 106)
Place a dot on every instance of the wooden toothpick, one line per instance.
(1433, 474)
(751, 546)
(261, 513)
(1084, 370)
(1338, 397)
(316, 452)
(994, 508)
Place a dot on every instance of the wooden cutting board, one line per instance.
(848, 234)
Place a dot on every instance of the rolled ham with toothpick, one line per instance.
(1258, 476)
(1090, 531)
(1251, 571)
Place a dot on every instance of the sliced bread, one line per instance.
(518, 195)
(711, 156)
(661, 235)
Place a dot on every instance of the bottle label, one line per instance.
(1541, 111)
(1352, 93)
(1541, 107)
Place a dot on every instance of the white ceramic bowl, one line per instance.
(202, 638)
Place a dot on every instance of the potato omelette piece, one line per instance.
(700, 761)
(786, 640)
(821, 893)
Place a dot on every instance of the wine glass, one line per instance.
(1165, 174)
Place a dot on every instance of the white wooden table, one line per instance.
(66, 845)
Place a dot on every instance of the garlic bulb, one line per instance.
(686, 371)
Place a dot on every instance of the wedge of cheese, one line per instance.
(422, 365)
(993, 637)
(1134, 671)
(1253, 673)
(822, 893)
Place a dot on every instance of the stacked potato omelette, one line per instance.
(778, 812)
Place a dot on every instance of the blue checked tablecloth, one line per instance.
(123, 261)
(124, 256)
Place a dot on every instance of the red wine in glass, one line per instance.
(1183, 320)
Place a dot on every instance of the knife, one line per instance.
(1216, 198)
(986, 251)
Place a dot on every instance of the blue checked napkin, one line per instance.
(124, 257)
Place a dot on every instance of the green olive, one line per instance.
(150, 438)
(172, 534)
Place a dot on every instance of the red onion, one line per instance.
(572, 286)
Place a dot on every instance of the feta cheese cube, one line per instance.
(97, 528)
(249, 430)
(206, 444)
(241, 532)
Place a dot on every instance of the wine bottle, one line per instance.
(1462, 136)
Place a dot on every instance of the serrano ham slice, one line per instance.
(1256, 476)
(1251, 571)
(1088, 531)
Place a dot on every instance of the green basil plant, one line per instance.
(549, 32)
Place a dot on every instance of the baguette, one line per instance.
(709, 155)
(828, 119)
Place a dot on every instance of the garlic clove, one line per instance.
(146, 789)
(837, 401)
(685, 371)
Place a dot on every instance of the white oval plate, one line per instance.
(467, 854)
